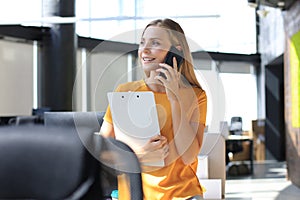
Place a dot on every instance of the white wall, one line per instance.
(107, 71)
(212, 84)
(99, 73)
(231, 91)
(16, 78)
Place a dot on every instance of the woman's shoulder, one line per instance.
(200, 93)
(199, 90)
(132, 86)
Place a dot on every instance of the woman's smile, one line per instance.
(148, 60)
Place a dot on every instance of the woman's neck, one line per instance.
(154, 85)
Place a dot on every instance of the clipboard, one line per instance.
(135, 118)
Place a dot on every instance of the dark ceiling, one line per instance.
(282, 4)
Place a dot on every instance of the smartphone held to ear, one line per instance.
(173, 52)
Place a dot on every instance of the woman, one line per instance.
(181, 104)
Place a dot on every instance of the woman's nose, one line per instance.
(145, 48)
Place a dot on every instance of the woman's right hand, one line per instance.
(156, 149)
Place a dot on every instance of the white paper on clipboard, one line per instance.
(135, 118)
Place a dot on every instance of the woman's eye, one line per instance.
(155, 43)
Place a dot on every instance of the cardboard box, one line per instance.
(243, 155)
(213, 188)
(202, 170)
(258, 128)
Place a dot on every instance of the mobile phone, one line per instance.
(173, 52)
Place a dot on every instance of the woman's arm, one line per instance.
(188, 132)
(188, 136)
(154, 150)
(107, 130)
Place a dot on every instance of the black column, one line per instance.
(58, 59)
(275, 125)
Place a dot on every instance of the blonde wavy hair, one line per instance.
(177, 38)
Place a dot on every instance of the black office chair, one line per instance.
(25, 121)
(91, 120)
(116, 157)
(39, 162)
(119, 157)
(236, 128)
(36, 118)
(46, 163)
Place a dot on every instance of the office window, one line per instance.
(215, 25)
(240, 96)
(16, 11)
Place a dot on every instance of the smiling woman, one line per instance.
(181, 104)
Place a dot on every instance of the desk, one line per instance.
(242, 138)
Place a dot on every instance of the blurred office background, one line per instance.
(224, 28)
(65, 55)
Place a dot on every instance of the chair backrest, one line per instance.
(25, 120)
(118, 156)
(236, 126)
(39, 162)
(46, 163)
(90, 120)
(115, 156)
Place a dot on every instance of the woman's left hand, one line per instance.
(172, 80)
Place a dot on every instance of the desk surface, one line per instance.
(238, 137)
(242, 138)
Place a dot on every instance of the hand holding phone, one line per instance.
(173, 52)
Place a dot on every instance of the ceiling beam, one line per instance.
(229, 57)
(23, 32)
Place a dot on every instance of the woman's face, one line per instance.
(153, 48)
